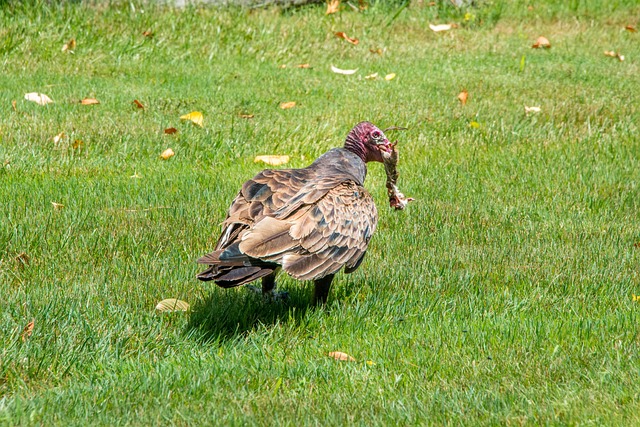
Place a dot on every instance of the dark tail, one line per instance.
(233, 271)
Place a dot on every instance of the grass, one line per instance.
(503, 295)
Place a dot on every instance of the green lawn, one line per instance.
(504, 295)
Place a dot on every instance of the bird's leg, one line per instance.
(321, 290)
(268, 290)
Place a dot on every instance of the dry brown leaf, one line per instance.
(341, 71)
(69, 46)
(172, 304)
(77, 144)
(14, 105)
(147, 34)
(167, 154)
(333, 6)
(28, 330)
(528, 110)
(377, 51)
(57, 206)
(342, 35)
(170, 131)
(246, 116)
(272, 160)
(287, 105)
(631, 28)
(338, 355)
(463, 96)
(541, 42)
(23, 259)
(38, 98)
(441, 27)
(138, 104)
(194, 117)
(58, 138)
(89, 101)
(390, 76)
(303, 66)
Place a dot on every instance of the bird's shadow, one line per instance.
(224, 314)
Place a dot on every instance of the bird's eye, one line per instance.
(376, 134)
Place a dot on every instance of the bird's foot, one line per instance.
(271, 296)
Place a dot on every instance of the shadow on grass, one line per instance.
(226, 313)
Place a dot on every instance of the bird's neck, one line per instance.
(355, 146)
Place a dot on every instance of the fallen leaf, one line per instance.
(333, 6)
(58, 138)
(338, 355)
(463, 96)
(636, 298)
(89, 101)
(167, 154)
(172, 304)
(528, 110)
(345, 72)
(69, 46)
(147, 34)
(28, 330)
(23, 259)
(195, 117)
(57, 206)
(441, 27)
(170, 131)
(636, 245)
(474, 125)
(613, 54)
(38, 98)
(541, 42)
(342, 35)
(14, 105)
(370, 363)
(287, 105)
(631, 28)
(138, 104)
(377, 51)
(282, 66)
(77, 144)
(371, 76)
(303, 66)
(272, 160)
(135, 175)
(246, 116)
(390, 76)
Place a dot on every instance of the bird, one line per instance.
(309, 222)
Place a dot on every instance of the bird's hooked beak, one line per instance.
(386, 146)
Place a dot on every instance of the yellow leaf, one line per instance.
(474, 125)
(541, 42)
(371, 76)
(338, 355)
(172, 304)
(333, 6)
(195, 117)
(345, 72)
(89, 101)
(389, 77)
(77, 144)
(287, 105)
(441, 27)
(636, 298)
(370, 363)
(38, 98)
(58, 138)
(57, 206)
(463, 96)
(272, 160)
(167, 154)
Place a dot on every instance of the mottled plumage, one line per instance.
(310, 222)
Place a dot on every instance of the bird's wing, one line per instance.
(326, 230)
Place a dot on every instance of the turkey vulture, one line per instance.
(310, 222)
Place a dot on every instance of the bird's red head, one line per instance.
(368, 142)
